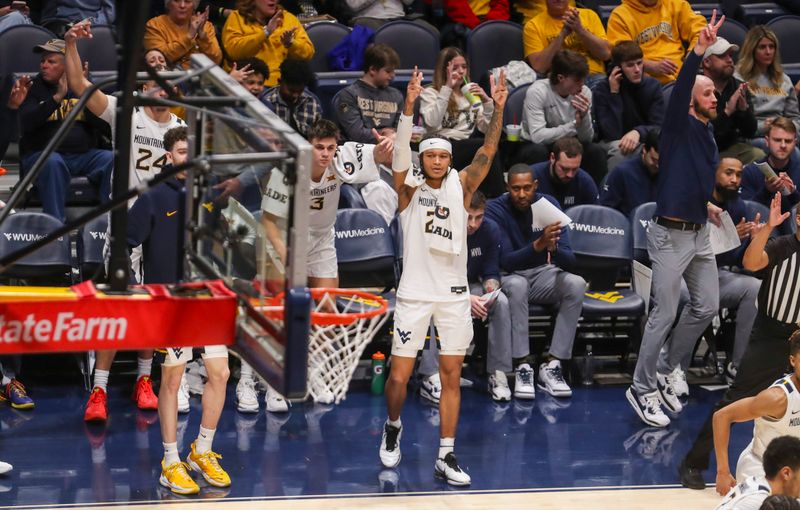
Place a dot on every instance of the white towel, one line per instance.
(446, 226)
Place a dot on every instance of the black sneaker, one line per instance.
(447, 469)
(691, 478)
(390, 446)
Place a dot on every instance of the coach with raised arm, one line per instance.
(678, 238)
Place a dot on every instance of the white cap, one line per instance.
(720, 47)
(435, 143)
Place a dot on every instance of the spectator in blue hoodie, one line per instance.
(539, 256)
(562, 176)
(634, 181)
(628, 105)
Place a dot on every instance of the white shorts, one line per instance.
(748, 464)
(322, 254)
(412, 318)
(172, 356)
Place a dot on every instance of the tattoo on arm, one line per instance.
(477, 170)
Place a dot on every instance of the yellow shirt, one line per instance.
(173, 40)
(244, 40)
(660, 31)
(529, 9)
(541, 30)
(479, 7)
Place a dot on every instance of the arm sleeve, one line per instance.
(564, 256)
(753, 186)
(532, 40)
(354, 163)
(778, 249)
(140, 220)
(610, 194)
(491, 265)
(485, 117)
(617, 30)
(240, 43)
(588, 189)
(349, 115)
(33, 113)
(690, 25)
(678, 109)
(523, 258)
(401, 157)
(433, 106)
(790, 107)
(459, 11)
(655, 112)
(210, 47)
(173, 45)
(608, 106)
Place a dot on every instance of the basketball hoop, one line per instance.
(343, 322)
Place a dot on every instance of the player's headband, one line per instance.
(435, 143)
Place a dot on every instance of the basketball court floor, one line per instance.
(590, 452)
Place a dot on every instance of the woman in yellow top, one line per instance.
(262, 29)
(180, 32)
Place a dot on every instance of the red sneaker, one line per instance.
(143, 394)
(97, 407)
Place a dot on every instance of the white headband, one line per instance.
(435, 143)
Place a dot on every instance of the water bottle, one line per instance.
(587, 372)
(378, 376)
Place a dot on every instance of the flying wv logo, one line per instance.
(177, 351)
(405, 336)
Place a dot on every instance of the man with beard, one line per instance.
(562, 176)
(678, 239)
(737, 291)
(735, 120)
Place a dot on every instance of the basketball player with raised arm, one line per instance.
(433, 202)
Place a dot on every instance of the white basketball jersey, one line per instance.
(747, 495)
(148, 156)
(430, 275)
(766, 429)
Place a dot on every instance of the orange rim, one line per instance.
(274, 308)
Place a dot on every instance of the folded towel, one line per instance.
(446, 225)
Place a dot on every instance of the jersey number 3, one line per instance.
(317, 203)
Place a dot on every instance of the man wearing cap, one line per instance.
(41, 114)
(735, 122)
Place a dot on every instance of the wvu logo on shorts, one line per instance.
(177, 351)
(608, 297)
(404, 336)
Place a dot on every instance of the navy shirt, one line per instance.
(688, 154)
(156, 222)
(628, 186)
(484, 253)
(737, 210)
(754, 185)
(517, 236)
(579, 191)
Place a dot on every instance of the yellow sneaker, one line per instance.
(207, 465)
(175, 477)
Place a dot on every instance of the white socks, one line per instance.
(204, 440)
(101, 379)
(246, 373)
(446, 445)
(143, 367)
(171, 454)
(394, 423)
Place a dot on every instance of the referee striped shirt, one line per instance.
(779, 295)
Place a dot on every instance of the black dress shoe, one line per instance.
(691, 478)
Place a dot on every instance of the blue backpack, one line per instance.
(348, 55)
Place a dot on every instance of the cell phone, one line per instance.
(17, 5)
(769, 173)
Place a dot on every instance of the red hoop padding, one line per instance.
(274, 307)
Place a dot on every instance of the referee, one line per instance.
(778, 314)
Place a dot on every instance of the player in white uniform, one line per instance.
(149, 124)
(780, 476)
(433, 205)
(775, 412)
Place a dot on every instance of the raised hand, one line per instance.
(615, 79)
(454, 77)
(745, 228)
(82, 30)
(414, 88)
(19, 92)
(382, 153)
(240, 74)
(581, 105)
(572, 20)
(708, 34)
(775, 216)
(549, 238)
(498, 89)
(275, 22)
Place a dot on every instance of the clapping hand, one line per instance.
(19, 92)
(287, 38)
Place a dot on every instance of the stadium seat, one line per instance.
(91, 240)
(350, 198)
(16, 49)
(761, 13)
(416, 45)
(364, 249)
(786, 28)
(100, 51)
(493, 44)
(640, 217)
(733, 31)
(666, 92)
(515, 105)
(754, 208)
(50, 265)
(705, 9)
(325, 36)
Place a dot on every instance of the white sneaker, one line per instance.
(431, 388)
(648, 407)
(183, 395)
(523, 382)
(666, 392)
(246, 396)
(498, 387)
(275, 401)
(390, 446)
(5, 467)
(551, 379)
(448, 470)
(679, 383)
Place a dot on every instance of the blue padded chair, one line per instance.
(666, 92)
(51, 264)
(515, 105)
(100, 51)
(640, 217)
(754, 208)
(786, 28)
(761, 13)
(416, 45)
(601, 239)
(493, 44)
(350, 198)
(91, 241)
(325, 36)
(733, 31)
(364, 249)
(16, 48)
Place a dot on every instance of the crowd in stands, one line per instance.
(590, 130)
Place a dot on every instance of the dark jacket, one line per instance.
(580, 191)
(636, 106)
(484, 253)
